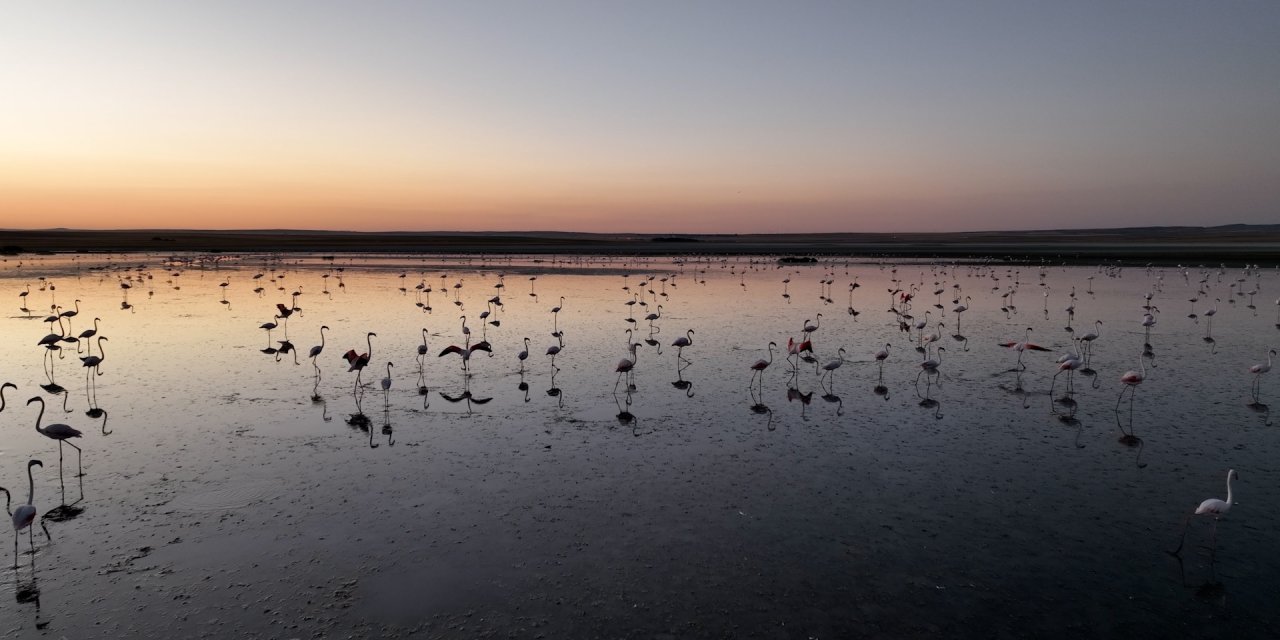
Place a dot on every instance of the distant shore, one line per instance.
(1190, 245)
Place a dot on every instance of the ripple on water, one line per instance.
(235, 497)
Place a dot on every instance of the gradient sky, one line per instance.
(654, 116)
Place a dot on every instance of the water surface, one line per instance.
(226, 500)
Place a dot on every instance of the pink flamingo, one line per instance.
(358, 361)
(626, 366)
(1021, 347)
(758, 367)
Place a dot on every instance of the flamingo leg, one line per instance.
(79, 462)
(1121, 397)
(1132, 394)
(1213, 541)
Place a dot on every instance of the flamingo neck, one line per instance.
(1229, 496)
(39, 417)
(31, 487)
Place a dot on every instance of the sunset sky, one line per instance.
(655, 116)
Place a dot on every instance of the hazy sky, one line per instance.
(646, 116)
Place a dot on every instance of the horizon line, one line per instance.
(611, 233)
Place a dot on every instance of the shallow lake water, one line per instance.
(232, 492)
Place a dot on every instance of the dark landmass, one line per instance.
(1194, 245)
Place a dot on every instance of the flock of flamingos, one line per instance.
(922, 336)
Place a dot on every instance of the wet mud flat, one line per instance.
(558, 501)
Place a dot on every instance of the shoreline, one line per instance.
(1233, 243)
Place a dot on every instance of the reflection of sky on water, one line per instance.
(867, 500)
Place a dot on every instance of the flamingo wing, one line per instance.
(1212, 506)
(453, 348)
(61, 431)
(23, 517)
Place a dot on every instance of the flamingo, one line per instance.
(1211, 507)
(25, 515)
(71, 313)
(1068, 363)
(59, 432)
(52, 338)
(89, 333)
(684, 341)
(810, 328)
(1131, 379)
(465, 352)
(315, 351)
(759, 366)
(959, 309)
(831, 367)
(386, 382)
(1088, 338)
(883, 355)
(555, 315)
(1257, 370)
(523, 355)
(552, 351)
(268, 326)
(94, 362)
(422, 348)
(796, 348)
(654, 316)
(1148, 321)
(1023, 346)
(931, 365)
(929, 368)
(358, 361)
(626, 366)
